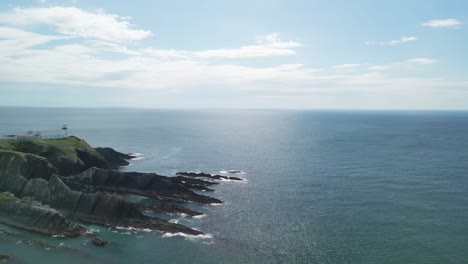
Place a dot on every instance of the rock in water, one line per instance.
(99, 242)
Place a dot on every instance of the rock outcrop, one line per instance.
(98, 241)
(114, 158)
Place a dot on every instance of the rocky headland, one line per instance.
(47, 184)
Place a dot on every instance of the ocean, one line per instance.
(322, 186)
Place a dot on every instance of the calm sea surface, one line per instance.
(323, 187)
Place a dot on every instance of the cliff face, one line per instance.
(31, 215)
(50, 182)
(16, 168)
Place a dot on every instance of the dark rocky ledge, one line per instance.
(208, 176)
(46, 184)
(145, 184)
(167, 208)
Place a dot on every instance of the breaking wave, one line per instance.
(180, 234)
(138, 156)
(232, 172)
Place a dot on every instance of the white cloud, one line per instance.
(423, 61)
(347, 66)
(379, 67)
(443, 23)
(14, 40)
(407, 63)
(392, 42)
(273, 40)
(72, 21)
(265, 46)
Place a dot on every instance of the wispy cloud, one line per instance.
(72, 21)
(407, 63)
(392, 42)
(348, 66)
(423, 61)
(443, 23)
(268, 45)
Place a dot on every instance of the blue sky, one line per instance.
(234, 54)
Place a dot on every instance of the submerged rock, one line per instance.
(38, 243)
(5, 257)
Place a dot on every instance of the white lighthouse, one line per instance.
(65, 129)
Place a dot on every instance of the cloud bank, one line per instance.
(98, 49)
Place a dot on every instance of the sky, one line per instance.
(275, 54)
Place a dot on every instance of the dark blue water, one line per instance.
(323, 187)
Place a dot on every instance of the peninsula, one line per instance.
(47, 184)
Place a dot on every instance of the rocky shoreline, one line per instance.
(47, 184)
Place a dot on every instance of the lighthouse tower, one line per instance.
(65, 129)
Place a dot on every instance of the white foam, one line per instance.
(205, 236)
(129, 228)
(232, 172)
(200, 216)
(88, 232)
(238, 181)
(138, 156)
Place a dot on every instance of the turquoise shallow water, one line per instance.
(323, 187)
